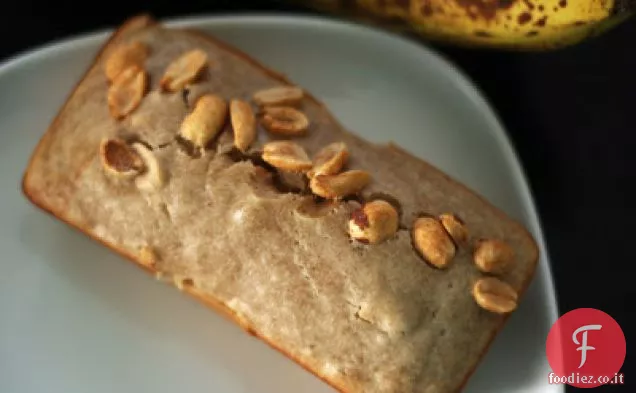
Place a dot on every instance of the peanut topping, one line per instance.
(432, 242)
(455, 227)
(493, 256)
(184, 70)
(284, 120)
(126, 91)
(119, 159)
(154, 176)
(374, 223)
(278, 96)
(287, 156)
(243, 124)
(340, 185)
(205, 121)
(124, 56)
(494, 295)
(330, 159)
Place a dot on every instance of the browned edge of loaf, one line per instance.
(146, 20)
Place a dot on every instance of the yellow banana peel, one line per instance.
(509, 24)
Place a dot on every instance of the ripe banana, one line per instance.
(509, 24)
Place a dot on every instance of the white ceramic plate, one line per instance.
(74, 317)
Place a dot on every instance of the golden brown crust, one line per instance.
(341, 383)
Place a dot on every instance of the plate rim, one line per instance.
(418, 49)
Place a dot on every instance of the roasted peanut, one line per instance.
(494, 295)
(287, 156)
(119, 159)
(455, 227)
(433, 242)
(124, 56)
(330, 159)
(283, 120)
(154, 176)
(205, 121)
(340, 185)
(277, 96)
(243, 124)
(493, 256)
(126, 91)
(374, 223)
(184, 70)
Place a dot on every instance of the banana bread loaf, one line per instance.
(364, 264)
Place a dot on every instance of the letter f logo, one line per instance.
(584, 347)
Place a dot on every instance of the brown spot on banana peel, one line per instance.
(541, 22)
(524, 18)
(487, 9)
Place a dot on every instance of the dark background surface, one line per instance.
(570, 115)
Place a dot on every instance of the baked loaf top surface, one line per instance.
(364, 317)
